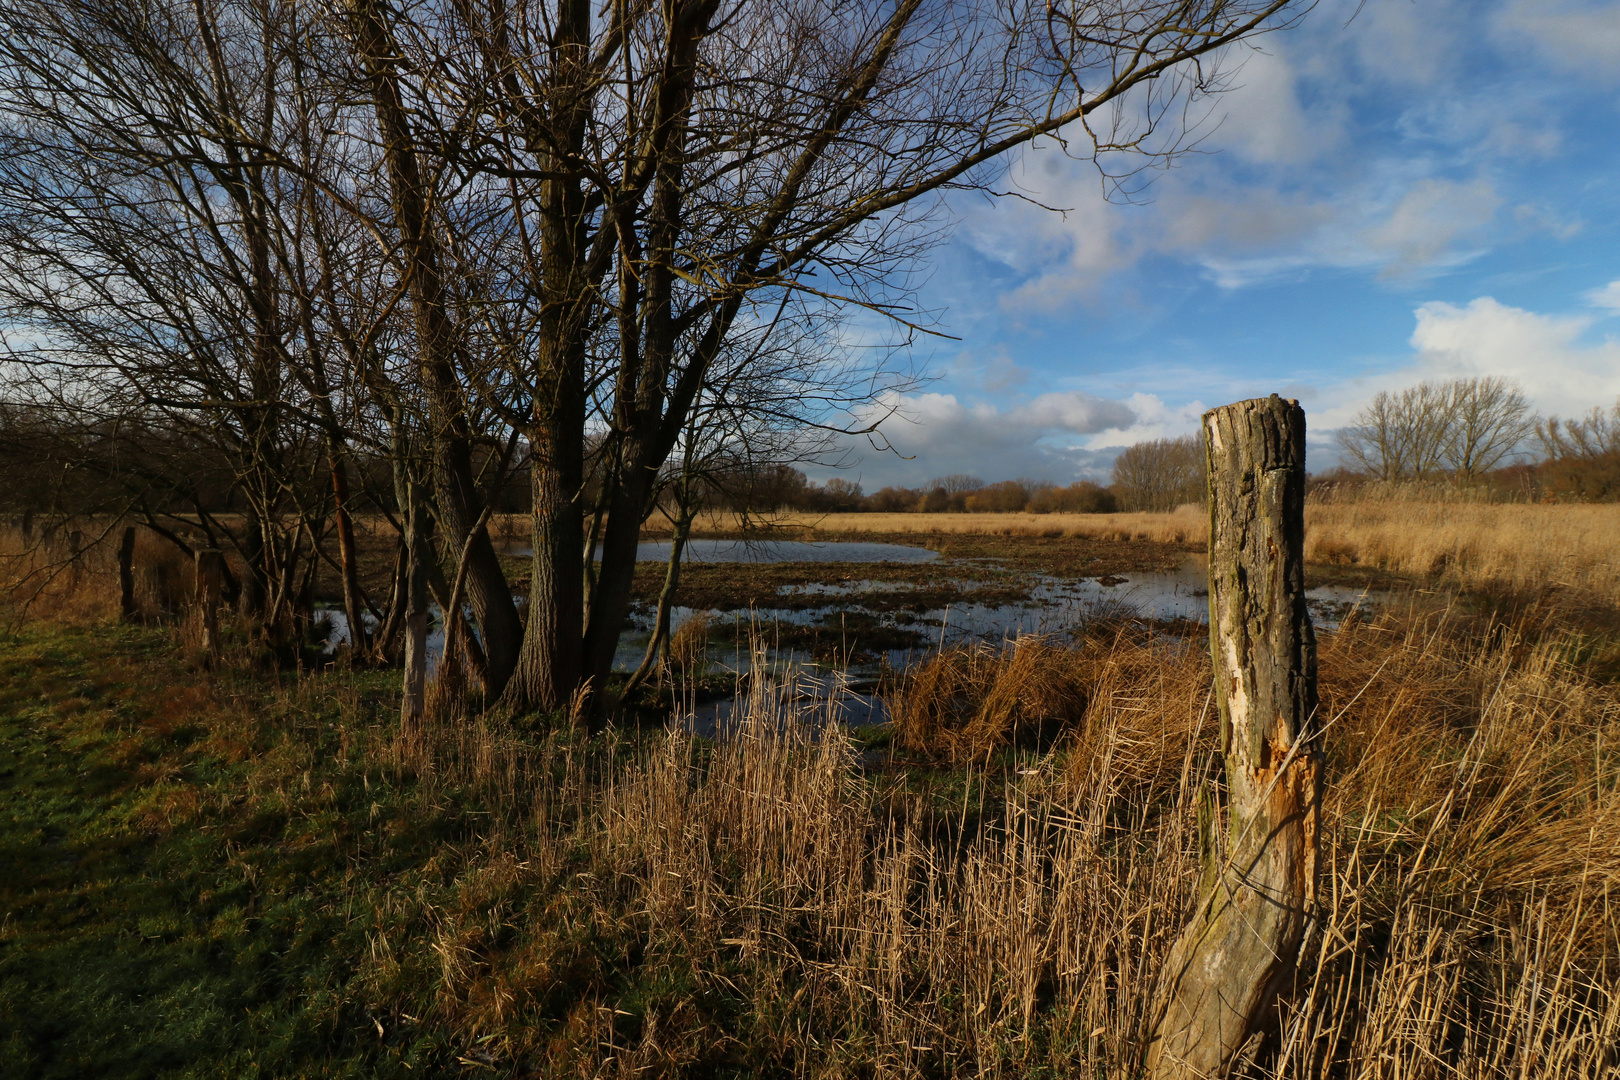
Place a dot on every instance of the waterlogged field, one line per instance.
(1467, 544)
(246, 872)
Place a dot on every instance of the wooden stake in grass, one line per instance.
(210, 574)
(126, 575)
(1258, 882)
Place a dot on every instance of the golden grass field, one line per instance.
(1508, 545)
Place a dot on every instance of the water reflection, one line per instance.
(774, 551)
(1055, 606)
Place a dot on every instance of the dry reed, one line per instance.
(1516, 546)
(41, 576)
(1467, 926)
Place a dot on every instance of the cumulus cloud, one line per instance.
(1544, 353)
(1043, 437)
(1551, 357)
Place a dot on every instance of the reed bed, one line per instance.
(781, 903)
(1010, 918)
(1523, 547)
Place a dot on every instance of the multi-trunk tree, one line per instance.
(658, 176)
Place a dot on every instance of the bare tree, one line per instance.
(1160, 474)
(1583, 456)
(665, 174)
(1464, 426)
(955, 484)
(1490, 418)
(1594, 436)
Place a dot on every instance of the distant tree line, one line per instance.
(1155, 476)
(1481, 433)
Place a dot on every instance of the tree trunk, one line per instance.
(348, 557)
(548, 672)
(416, 634)
(459, 503)
(1258, 884)
(209, 563)
(666, 601)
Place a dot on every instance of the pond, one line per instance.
(775, 551)
(1054, 605)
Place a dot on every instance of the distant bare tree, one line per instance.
(955, 483)
(1583, 456)
(1489, 419)
(1398, 436)
(1464, 426)
(1161, 474)
(1596, 435)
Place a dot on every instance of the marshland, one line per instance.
(443, 631)
(246, 867)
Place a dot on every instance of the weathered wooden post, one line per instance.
(75, 558)
(1259, 874)
(210, 564)
(126, 575)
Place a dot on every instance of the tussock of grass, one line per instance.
(969, 701)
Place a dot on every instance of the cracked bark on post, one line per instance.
(1258, 883)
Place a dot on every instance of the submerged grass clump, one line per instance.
(246, 874)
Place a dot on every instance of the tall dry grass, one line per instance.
(1517, 546)
(1011, 920)
(41, 576)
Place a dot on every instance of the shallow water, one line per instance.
(773, 551)
(1056, 606)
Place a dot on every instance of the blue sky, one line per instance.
(1427, 189)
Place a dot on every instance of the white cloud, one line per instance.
(1543, 353)
(1547, 355)
(1581, 35)
(1606, 297)
(935, 434)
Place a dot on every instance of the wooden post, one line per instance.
(1258, 884)
(126, 575)
(416, 634)
(75, 560)
(210, 564)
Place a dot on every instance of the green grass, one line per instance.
(167, 912)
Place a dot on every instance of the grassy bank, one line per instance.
(244, 874)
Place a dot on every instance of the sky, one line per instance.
(1392, 191)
